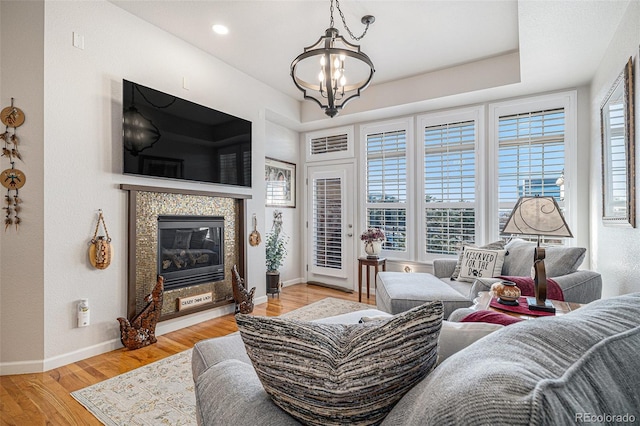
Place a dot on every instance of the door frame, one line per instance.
(350, 248)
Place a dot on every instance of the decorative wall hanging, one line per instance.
(254, 237)
(100, 249)
(11, 178)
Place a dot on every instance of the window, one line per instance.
(465, 182)
(532, 142)
(330, 144)
(531, 158)
(449, 182)
(386, 152)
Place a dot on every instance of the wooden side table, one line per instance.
(367, 262)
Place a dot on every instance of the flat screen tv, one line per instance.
(165, 136)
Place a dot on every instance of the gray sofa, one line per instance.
(577, 368)
(398, 291)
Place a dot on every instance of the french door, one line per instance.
(330, 231)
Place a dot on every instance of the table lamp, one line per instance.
(536, 215)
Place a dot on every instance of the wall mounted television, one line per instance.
(168, 137)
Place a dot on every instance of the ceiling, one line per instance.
(560, 43)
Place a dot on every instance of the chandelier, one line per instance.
(333, 71)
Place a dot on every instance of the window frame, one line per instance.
(406, 124)
(477, 115)
(564, 100)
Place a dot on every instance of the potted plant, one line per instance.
(276, 251)
(373, 238)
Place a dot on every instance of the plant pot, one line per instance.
(273, 282)
(373, 249)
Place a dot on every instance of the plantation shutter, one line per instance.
(449, 186)
(331, 144)
(327, 144)
(327, 222)
(386, 178)
(531, 158)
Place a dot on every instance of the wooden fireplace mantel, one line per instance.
(240, 200)
(143, 188)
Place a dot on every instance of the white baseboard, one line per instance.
(39, 366)
(292, 282)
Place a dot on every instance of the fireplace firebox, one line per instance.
(190, 250)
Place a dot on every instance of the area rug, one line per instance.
(163, 392)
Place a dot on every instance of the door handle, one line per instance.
(349, 235)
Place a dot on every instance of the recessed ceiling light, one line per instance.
(220, 29)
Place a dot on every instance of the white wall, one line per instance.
(615, 250)
(80, 167)
(22, 302)
(283, 144)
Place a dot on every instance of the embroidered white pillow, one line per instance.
(479, 263)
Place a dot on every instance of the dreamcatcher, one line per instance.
(12, 178)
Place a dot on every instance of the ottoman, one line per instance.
(398, 292)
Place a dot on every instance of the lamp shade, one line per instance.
(535, 215)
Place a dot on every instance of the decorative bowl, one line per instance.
(507, 292)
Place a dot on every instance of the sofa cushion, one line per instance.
(496, 245)
(478, 263)
(542, 371)
(455, 336)
(342, 373)
(230, 393)
(558, 260)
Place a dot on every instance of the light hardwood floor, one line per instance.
(44, 398)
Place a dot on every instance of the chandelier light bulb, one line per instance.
(343, 81)
(336, 63)
(321, 76)
(323, 60)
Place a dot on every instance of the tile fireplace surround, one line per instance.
(145, 205)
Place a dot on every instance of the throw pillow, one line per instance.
(335, 374)
(477, 263)
(496, 245)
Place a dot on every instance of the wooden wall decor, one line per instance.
(11, 178)
(100, 250)
(141, 330)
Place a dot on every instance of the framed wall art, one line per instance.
(280, 181)
(617, 119)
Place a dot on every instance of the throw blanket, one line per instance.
(490, 317)
(526, 286)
